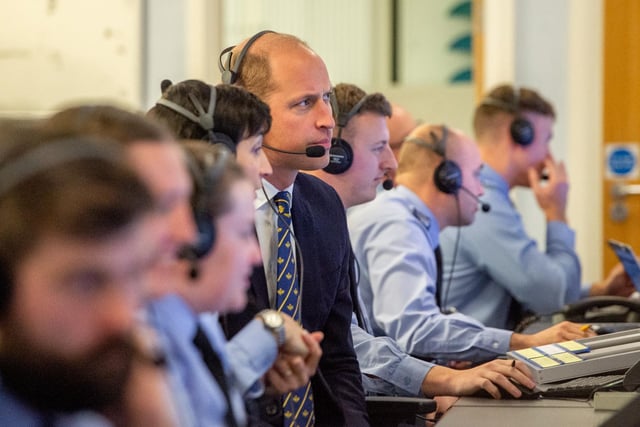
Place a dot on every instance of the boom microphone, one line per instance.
(387, 184)
(486, 207)
(312, 151)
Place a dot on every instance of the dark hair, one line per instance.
(104, 121)
(348, 95)
(213, 171)
(503, 99)
(237, 114)
(91, 195)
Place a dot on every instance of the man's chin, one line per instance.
(51, 384)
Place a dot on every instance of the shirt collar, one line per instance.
(490, 178)
(422, 213)
(177, 316)
(270, 191)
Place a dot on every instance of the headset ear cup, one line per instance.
(206, 235)
(448, 177)
(340, 157)
(224, 139)
(206, 238)
(522, 131)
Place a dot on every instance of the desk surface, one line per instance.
(469, 411)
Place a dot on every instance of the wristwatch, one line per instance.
(274, 323)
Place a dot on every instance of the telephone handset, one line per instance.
(601, 309)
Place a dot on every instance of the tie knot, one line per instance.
(283, 203)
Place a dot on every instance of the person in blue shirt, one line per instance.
(77, 234)
(161, 163)
(386, 368)
(395, 238)
(496, 271)
(213, 282)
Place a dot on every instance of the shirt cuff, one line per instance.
(254, 353)
(560, 231)
(496, 340)
(410, 374)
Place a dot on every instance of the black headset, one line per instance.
(521, 129)
(229, 73)
(447, 176)
(204, 118)
(341, 153)
(37, 160)
(204, 176)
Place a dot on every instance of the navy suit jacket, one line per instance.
(320, 227)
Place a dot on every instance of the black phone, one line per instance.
(628, 259)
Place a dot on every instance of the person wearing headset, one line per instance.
(76, 238)
(300, 219)
(188, 320)
(395, 239)
(160, 162)
(496, 271)
(239, 120)
(386, 368)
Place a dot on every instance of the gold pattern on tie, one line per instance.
(298, 405)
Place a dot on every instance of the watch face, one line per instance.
(273, 319)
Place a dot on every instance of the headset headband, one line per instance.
(49, 155)
(343, 119)
(230, 74)
(513, 106)
(438, 145)
(204, 118)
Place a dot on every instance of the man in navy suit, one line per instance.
(293, 80)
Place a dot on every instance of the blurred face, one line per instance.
(161, 166)
(467, 156)
(225, 271)
(400, 125)
(300, 109)
(66, 336)
(368, 136)
(250, 156)
(533, 155)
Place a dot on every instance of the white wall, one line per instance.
(54, 52)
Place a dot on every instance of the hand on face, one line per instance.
(551, 195)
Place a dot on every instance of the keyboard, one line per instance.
(581, 387)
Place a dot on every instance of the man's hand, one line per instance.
(552, 195)
(290, 371)
(617, 283)
(563, 331)
(489, 377)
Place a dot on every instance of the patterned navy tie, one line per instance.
(298, 405)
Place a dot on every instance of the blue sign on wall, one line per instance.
(621, 160)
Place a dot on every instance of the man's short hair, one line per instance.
(348, 95)
(104, 121)
(506, 99)
(254, 73)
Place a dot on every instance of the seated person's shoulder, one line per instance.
(311, 187)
